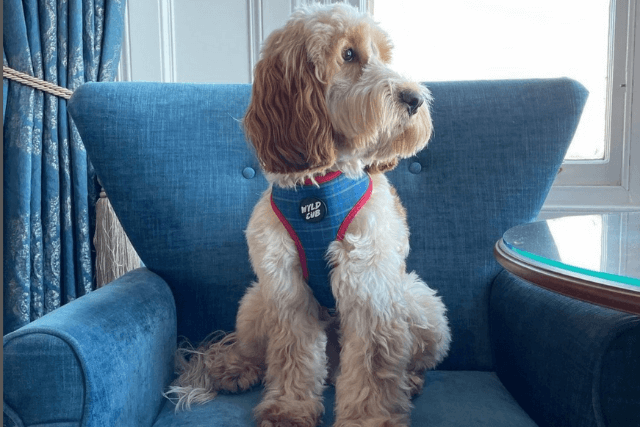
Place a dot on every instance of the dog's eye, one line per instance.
(349, 55)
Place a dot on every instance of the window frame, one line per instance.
(608, 171)
(612, 184)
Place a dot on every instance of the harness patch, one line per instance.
(313, 209)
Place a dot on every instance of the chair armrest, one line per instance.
(566, 362)
(102, 360)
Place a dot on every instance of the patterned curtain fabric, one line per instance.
(49, 185)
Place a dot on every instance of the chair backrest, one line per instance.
(175, 164)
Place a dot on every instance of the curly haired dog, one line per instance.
(326, 107)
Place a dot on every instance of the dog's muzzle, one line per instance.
(413, 101)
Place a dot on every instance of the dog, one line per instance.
(327, 111)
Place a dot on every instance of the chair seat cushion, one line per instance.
(449, 398)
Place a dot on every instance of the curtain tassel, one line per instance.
(114, 253)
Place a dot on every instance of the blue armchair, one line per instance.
(183, 181)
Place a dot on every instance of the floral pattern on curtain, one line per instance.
(50, 188)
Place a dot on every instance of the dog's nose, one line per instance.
(412, 100)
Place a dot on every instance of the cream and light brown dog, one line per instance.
(325, 100)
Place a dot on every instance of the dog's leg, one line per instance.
(234, 363)
(429, 328)
(242, 365)
(373, 389)
(296, 370)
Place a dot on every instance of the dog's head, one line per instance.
(325, 98)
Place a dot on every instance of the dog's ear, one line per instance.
(287, 120)
(381, 167)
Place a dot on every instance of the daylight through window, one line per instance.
(506, 39)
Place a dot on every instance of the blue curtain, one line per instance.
(49, 185)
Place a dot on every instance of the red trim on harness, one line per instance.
(354, 211)
(294, 236)
(324, 178)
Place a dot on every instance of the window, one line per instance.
(503, 39)
(591, 42)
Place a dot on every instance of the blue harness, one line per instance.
(315, 216)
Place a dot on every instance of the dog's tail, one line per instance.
(198, 371)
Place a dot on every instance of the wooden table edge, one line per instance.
(571, 286)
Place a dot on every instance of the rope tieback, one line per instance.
(115, 254)
(35, 82)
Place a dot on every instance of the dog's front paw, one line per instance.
(416, 383)
(373, 422)
(284, 413)
(282, 423)
(239, 377)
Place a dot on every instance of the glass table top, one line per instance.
(604, 248)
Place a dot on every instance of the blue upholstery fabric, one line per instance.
(49, 185)
(495, 151)
(486, 403)
(171, 159)
(567, 362)
(102, 360)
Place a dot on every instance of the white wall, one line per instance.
(216, 41)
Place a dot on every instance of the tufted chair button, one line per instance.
(415, 168)
(248, 172)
